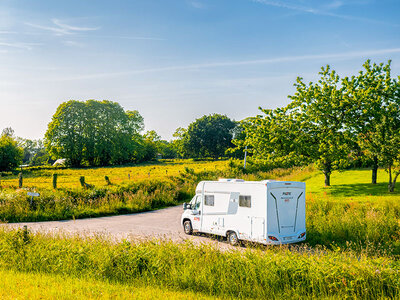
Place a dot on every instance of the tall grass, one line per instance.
(32, 286)
(268, 273)
(361, 226)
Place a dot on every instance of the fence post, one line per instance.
(82, 181)
(20, 180)
(55, 181)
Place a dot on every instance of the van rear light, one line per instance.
(301, 235)
(272, 238)
(288, 183)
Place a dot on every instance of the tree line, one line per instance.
(102, 133)
(334, 122)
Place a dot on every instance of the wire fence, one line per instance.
(99, 179)
(75, 181)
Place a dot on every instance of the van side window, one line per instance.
(209, 200)
(197, 203)
(244, 201)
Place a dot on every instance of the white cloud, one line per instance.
(26, 46)
(72, 28)
(62, 28)
(283, 59)
(321, 12)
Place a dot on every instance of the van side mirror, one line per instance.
(187, 206)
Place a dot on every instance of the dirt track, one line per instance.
(159, 224)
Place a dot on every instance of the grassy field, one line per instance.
(21, 285)
(125, 175)
(352, 248)
(273, 272)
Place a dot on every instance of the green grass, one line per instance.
(274, 272)
(352, 185)
(352, 248)
(19, 285)
(68, 178)
(151, 186)
(351, 214)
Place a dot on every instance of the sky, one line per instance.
(177, 60)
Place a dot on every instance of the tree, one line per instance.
(209, 136)
(178, 143)
(368, 93)
(94, 133)
(322, 111)
(275, 137)
(10, 153)
(31, 148)
(386, 135)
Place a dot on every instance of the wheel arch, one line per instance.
(227, 232)
(186, 219)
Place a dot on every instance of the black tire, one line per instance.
(187, 227)
(232, 238)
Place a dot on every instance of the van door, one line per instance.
(257, 229)
(196, 212)
(285, 202)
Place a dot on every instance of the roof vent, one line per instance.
(230, 180)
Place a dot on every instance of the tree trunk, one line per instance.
(392, 183)
(327, 172)
(375, 170)
(327, 178)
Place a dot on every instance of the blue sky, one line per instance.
(175, 61)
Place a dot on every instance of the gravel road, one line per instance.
(158, 224)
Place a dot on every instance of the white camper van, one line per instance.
(268, 211)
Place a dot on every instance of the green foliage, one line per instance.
(178, 142)
(209, 136)
(94, 133)
(333, 123)
(322, 111)
(372, 115)
(274, 140)
(10, 154)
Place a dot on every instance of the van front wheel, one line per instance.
(232, 238)
(187, 227)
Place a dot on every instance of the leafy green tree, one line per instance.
(8, 131)
(178, 143)
(386, 135)
(209, 136)
(94, 133)
(368, 92)
(322, 111)
(31, 149)
(10, 154)
(65, 136)
(166, 149)
(275, 137)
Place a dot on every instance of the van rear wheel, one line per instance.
(232, 238)
(187, 227)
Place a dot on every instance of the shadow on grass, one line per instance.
(362, 189)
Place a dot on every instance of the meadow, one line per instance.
(273, 272)
(352, 248)
(68, 178)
